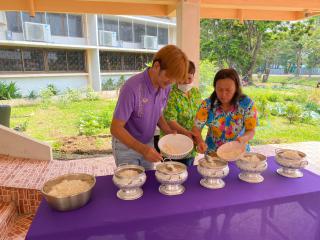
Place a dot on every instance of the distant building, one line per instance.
(77, 51)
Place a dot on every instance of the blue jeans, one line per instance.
(123, 154)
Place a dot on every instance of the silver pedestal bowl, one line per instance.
(129, 178)
(212, 170)
(171, 175)
(290, 165)
(251, 166)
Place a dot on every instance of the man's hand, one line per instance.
(151, 154)
(202, 147)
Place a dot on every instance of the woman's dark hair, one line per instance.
(192, 68)
(223, 74)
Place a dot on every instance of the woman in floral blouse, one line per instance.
(229, 114)
(182, 106)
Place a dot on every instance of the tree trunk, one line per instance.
(254, 58)
(299, 62)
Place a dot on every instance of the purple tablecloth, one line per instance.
(277, 209)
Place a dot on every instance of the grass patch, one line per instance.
(304, 81)
(57, 121)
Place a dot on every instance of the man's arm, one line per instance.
(118, 131)
(163, 125)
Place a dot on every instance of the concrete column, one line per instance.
(188, 31)
(93, 60)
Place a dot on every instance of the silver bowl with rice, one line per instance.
(212, 169)
(68, 192)
(291, 161)
(252, 165)
(129, 178)
(171, 175)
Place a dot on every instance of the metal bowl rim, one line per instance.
(63, 176)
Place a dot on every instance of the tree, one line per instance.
(233, 44)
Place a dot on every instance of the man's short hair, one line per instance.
(174, 61)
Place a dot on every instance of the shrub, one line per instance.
(262, 106)
(91, 95)
(9, 91)
(46, 97)
(293, 112)
(313, 107)
(278, 109)
(53, 89)
(108, 85)
(32, 95)
(89, 124)
(120, 82)
(72, 95)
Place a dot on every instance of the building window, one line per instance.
(14, 21)
(76, 61)
(58, 24)
(10, 60)
(123, 62)
(163, 36)
(125, 31)
(75, 25)
(111, 25)
(151, 30)
(41, 60)
(139, 30)
(38, 18)
(57, 61)
(33, 59)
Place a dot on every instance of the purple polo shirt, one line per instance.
(140, 105)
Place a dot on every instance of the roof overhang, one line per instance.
(220, 9)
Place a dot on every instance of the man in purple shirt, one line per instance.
(140, 105)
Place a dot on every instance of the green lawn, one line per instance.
(49, 124)
(304, 81)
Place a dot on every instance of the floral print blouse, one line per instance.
(225, 127)
(182, 108)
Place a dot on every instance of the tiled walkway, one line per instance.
(31, 174)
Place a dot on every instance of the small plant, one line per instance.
(106, 118)
(22, 127)
(278, 109)
(46, 97)
(89, 124)
(9, 91)
(120, 82)
(53, 89)
(91, 95)
(293, 112)
(263, 108)
(108, 85)
(72, 95)
(32, 95)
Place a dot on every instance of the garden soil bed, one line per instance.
(83, 147)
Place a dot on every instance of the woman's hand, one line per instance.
(242, 140)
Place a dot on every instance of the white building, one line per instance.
(77, 51)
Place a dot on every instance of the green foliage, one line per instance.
(22, 127)
(262, 106)
(108, 85)
(53, 89)
(207, 72)
(91, 95)
(89, 123)
(120, 82)
(312, 106)
(72, 95)
(92, 123)
(293, 112)
(32, 95)
(9, 90)
(46, 97)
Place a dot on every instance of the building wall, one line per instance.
(37, 82)
(93, 76)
